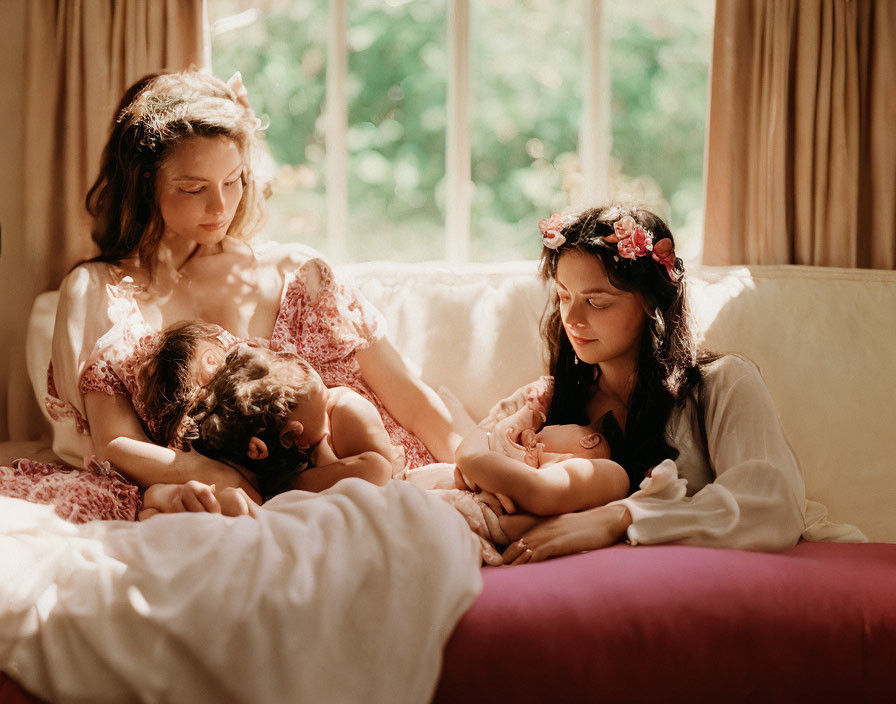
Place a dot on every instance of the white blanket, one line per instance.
(345, 596)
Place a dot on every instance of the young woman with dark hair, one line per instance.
(697, 432)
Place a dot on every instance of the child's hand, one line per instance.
(177, 498)
(234, 501)
(527, 438)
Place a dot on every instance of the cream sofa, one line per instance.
(824, 340)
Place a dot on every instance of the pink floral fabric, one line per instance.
(116, 375)
(77, 495)
(59, 409)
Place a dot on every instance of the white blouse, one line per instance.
(753, 497)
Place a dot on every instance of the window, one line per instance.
(544, 104)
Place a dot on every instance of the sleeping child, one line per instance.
(265, 412)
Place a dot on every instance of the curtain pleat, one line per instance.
(80, 56)
(801, 155)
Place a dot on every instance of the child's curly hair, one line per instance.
(253, 394)
(166, 378)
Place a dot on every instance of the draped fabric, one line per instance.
(79, 57)
(801, 152)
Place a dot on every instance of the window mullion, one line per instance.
(458, 185)
(594, 133)
(336, 129)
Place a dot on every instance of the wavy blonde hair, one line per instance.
(157, 113)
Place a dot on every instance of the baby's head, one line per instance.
(262, 410)
(185, 357)
(586, 441)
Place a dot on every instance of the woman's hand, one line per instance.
(570, 533)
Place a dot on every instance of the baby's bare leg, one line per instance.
(515, 525)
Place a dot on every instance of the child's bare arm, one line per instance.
(361, 444)
(370, 466)
(570, 485)
(356, 427)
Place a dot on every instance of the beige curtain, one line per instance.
(79, 57)
(801, 144)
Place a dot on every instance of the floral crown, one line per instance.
(631, 239)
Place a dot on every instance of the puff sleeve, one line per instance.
(323, 318)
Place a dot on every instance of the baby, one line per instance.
(269, 414)
(543, 469)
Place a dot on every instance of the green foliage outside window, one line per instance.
(526, 103)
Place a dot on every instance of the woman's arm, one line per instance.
(410, 401)
(757, 498)
(570, 485)
(118, 438)
(756, 501)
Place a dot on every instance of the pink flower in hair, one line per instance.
(552, 229)
(665, 255)
(637, 244)
(622, 229)
(633, 241)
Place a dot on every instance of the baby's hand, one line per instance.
(527, 438)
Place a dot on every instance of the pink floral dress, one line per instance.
(320, 318)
